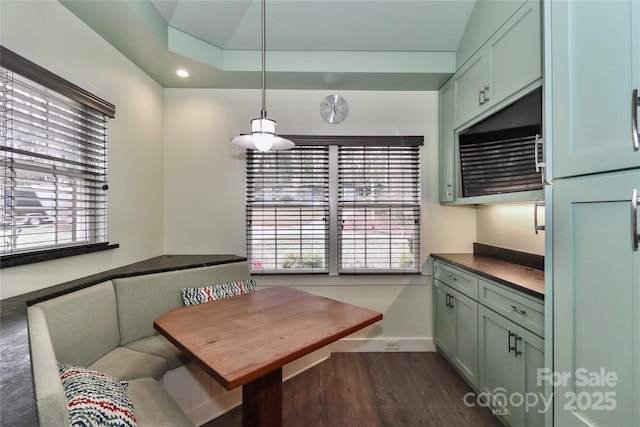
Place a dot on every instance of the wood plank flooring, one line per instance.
(376, 389)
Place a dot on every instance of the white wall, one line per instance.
(177, 184)
(204, 187)
(50, 35)
(510, 226)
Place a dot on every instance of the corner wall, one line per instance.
(75, 52)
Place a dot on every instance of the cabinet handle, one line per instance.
(634, 218)
(537, 204)
(511, 334)
(452, 277)
(451, 301)
(515, 347)
(447, 300)
(540, 164)
(480, 101)
(517, 310)
(484, 93)
(634, 119)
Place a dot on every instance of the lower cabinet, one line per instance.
(457, 329)
(498, 350)
(510, 358)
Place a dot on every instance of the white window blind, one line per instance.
(53, 166)
(379, 209)
(287, 210)
(335, 204)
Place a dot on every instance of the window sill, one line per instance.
(344, 280)
(7, 261)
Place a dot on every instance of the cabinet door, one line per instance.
(595, 65)
(446, 154)
(501, 373)
(444, 328)
(510, 359)
(533, 356)
(596, 295)
(466, 336)
(469, 83)
(515, 54)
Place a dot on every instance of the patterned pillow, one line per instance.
(95, 398)
(192, 296)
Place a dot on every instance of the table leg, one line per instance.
(262, 401)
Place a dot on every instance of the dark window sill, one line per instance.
(48, 255)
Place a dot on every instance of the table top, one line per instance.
(239, 339)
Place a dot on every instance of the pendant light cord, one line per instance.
(263, 113)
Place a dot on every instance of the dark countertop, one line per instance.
(515, 275)
(17, 394)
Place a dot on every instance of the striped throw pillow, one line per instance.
(96, 399)
(192, 296)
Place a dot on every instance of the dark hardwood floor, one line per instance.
(376, 389)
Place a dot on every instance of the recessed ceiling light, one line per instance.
(182, 72)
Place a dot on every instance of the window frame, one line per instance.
(333, 240)
(38, 76)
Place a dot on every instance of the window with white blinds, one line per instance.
(53, 163)
(379, 209)
(335, 205)
(288, 210)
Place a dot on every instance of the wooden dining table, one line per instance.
(245, 340)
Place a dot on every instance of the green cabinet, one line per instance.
(596, 318)
(456, 329)
(507, 66)
(447, 141)
(485, 330)
(593, 71)
(509, 359)
(595, 68)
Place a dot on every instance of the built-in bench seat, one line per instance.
(108, 327)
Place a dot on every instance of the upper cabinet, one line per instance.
(595, 113)
(495, 74)
(508, 65)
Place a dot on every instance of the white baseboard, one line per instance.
(202, 399)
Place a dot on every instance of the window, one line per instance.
(335, 205)
(53, 162)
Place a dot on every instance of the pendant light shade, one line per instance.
(263, 130)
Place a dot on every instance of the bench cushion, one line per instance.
(68, 316)
(154, 407)
(160, 346)
(142, 299)
(126, 364)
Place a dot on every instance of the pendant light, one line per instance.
(263, 130)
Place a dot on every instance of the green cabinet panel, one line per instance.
(447, 157)
(596, 287)
(444, 320)
(506, 67)
(471, 82)
(456, 329)
(515, 53)
(509, 361)
(595, 66)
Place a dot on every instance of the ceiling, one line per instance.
(311, 44)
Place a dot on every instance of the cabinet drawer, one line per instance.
(526, 311)
(459, 280)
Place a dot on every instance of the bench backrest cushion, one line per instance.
(142, 299)
(83, 325)
(52, 402)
